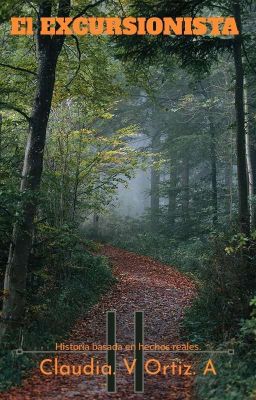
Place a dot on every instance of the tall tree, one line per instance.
(48, 51)
(185, 189)
(240, 123)
(155, 179)
(172, 193)
(248, 154)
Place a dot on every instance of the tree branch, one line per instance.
(79, 61)
(33, 6)
(18, 69)
(84, 11)
(17, 109)
(6, 211)
(221, 7)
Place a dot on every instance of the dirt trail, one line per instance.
(143, 284)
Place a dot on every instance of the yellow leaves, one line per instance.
(229, 250)
(94, 162)
(129, 131)
(187, 99)
(238, 243)
(84, 132)
(107, 116)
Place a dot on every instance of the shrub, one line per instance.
(236, 375)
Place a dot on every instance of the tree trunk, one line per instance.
(16, 271)
(77, 176)
(155, 182)
(214, 174)
(253, 164)
(96, 219)
(229, 186)
(240, 126)
(248, 154)
(172, 194)
(251, 144)
(252, 129)
(213, 157)
(185, 190)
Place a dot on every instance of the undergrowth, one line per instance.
(64, 280)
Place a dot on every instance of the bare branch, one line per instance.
(18, 69)
(14, 108)
(79, 54)
(33, 6)
(6, 211)
(223, 8)
(84, 11)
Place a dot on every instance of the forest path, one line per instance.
(143, 284)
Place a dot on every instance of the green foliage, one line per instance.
(83, 168)
(220, 317)
(64, 280)
(228, 283)
(136, 235)
(236, 376)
